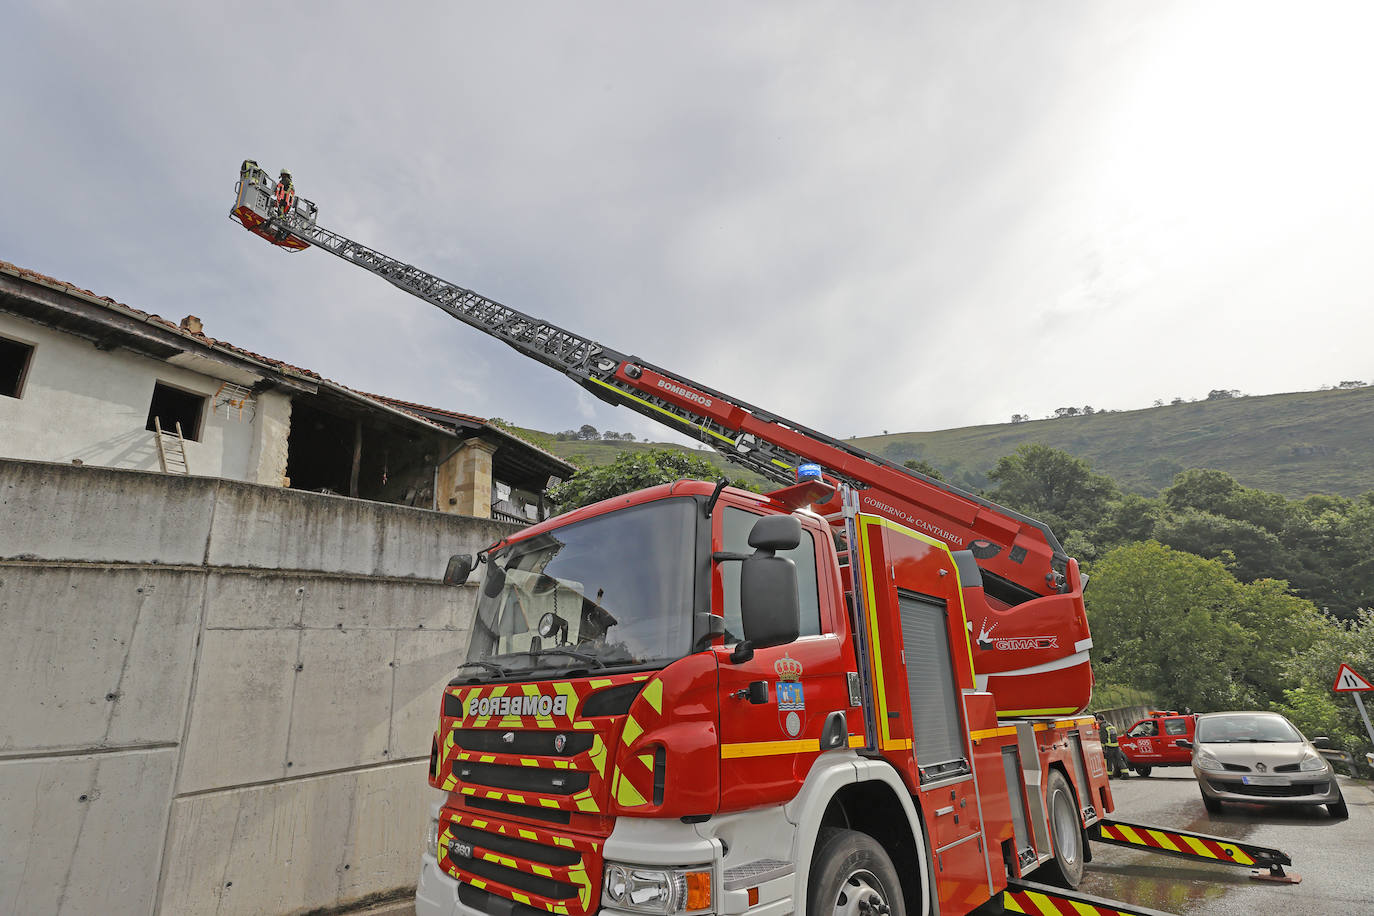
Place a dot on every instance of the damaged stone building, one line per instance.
(87, 380)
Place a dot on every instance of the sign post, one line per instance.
(1347, 681)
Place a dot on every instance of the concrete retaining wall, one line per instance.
(218, 697)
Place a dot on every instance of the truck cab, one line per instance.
(1153, 741)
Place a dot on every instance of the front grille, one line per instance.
(550, 815)
(521, 779)
(524, 849)
(1236, 767)
(532, 743)
(493, 904)
(547, 871)
(531, 884)
(1294, 790)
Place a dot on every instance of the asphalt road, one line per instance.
(1334, 858)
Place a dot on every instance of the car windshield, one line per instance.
(1248, 728)
(613, 590)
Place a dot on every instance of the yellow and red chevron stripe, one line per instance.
(1184, 844)
(1040, 900)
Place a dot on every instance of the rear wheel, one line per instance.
(851, 875)
(1066, 835)
(1141, 770)
(1213, 805)
(1337, 808)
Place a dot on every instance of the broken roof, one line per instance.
(157, 338)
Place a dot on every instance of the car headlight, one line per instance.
(432, 838)
(1206, 760)
(1312, 762)
(650, 889)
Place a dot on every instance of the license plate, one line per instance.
(1264, 780)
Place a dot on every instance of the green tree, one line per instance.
(1310, 703)
(1248, 550)
(1131, 518)
(921, 466)
(1161, 622)
(1053, 486)
(633, 471)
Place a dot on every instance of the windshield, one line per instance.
(1243, 729)
(613, 590)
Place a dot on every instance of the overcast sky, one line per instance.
(861, 216)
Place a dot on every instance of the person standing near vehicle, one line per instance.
(1111, 748)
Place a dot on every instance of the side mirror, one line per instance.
(775, 532)
(1321, 741)
(494, 582)
(770, 608)
(459, 568)
(1183, 742)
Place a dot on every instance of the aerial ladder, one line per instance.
(1024, 600)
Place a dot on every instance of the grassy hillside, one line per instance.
(1295, 444)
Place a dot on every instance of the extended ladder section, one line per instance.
(1039, 653)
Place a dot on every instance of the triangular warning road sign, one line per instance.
(1348, 680)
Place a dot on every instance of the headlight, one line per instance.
(1207, 760)
(1311, 762)
(432, 838)
(649, 889)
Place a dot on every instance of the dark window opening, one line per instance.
(172, 406)
(14, 365)
(394, 466)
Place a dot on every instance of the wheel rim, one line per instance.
(861, 894)
(1065, 829)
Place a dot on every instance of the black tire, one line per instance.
(851, 874)
(1337, 808)
(1066, 835)
(1213, 805)
(1141, 770)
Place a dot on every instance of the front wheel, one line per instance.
(1066, 835)
(1212, 805)
(1141, 770)
(851, 875)
(1337, 808)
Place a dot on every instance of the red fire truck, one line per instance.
(859, 693)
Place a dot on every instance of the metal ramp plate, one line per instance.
(1043, 900)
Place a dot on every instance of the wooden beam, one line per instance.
(357, 458)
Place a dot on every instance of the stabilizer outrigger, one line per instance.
(1202, 847)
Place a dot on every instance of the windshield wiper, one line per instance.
(490, 666)
(571, 653)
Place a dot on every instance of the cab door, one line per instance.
(774, 707)
(1171, 730)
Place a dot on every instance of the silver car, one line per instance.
(1259, 758)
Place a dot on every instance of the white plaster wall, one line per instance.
(82, 403)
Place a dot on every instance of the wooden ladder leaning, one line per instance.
(171, 449)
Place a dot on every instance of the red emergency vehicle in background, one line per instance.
(1153, 741)
(859, 693)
